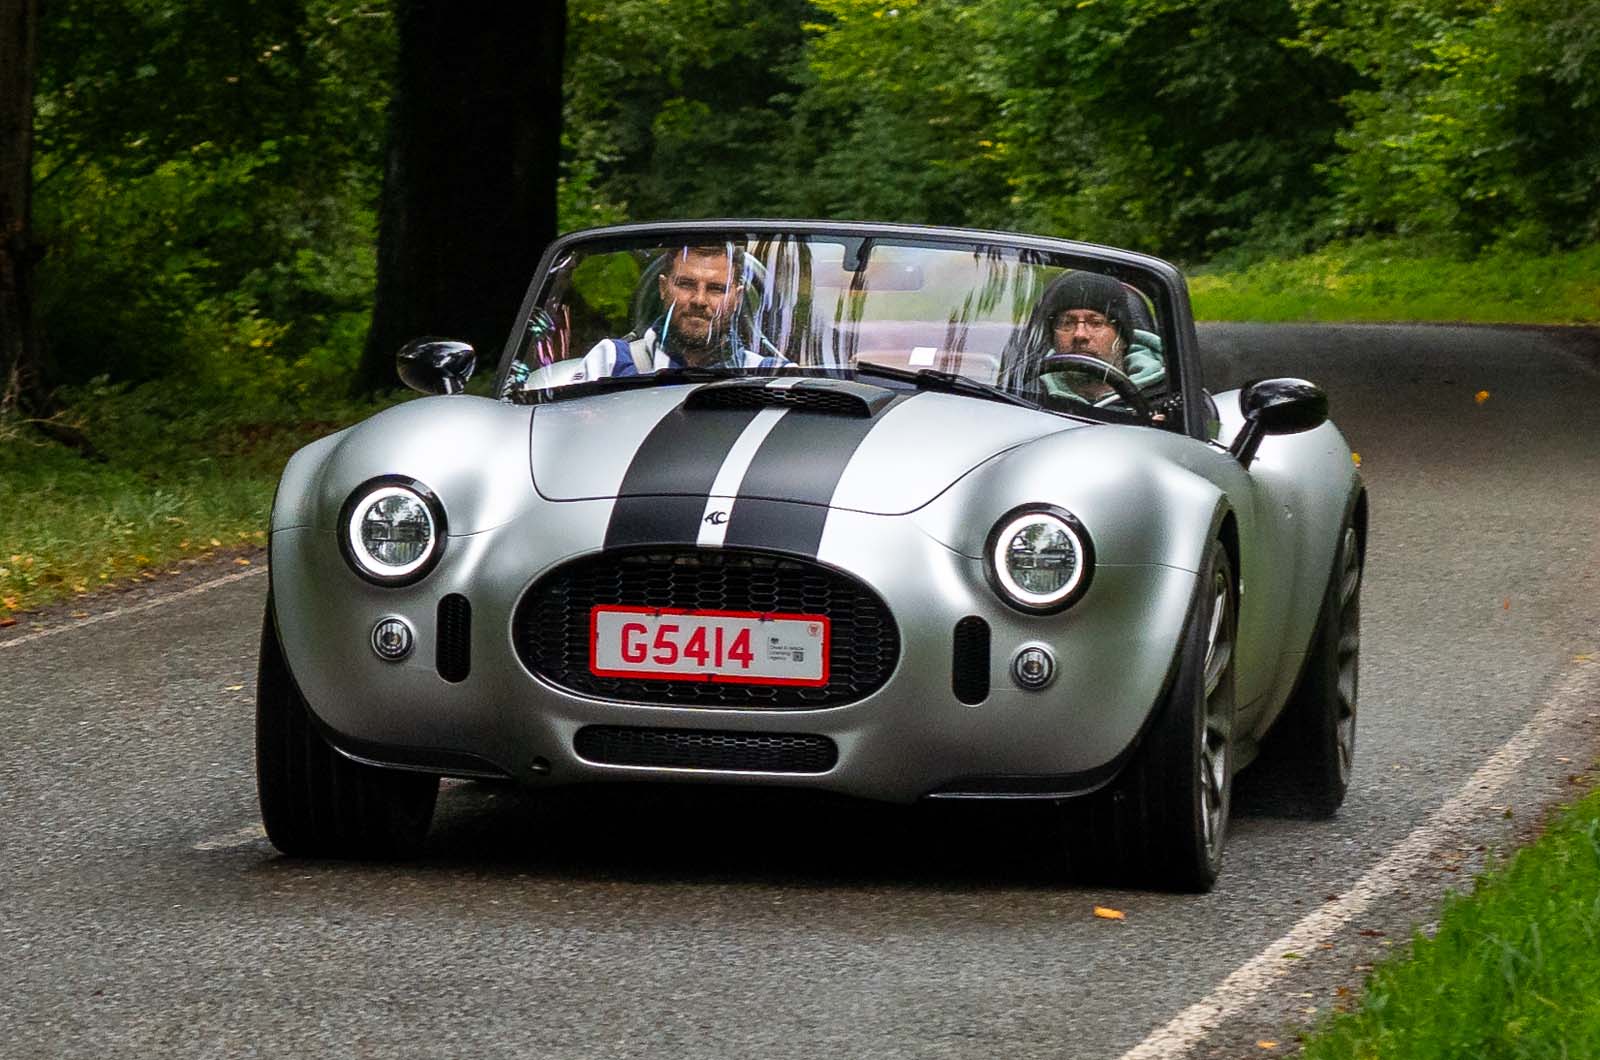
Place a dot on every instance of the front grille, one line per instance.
(455, 637)
(551, 625)
(752, 752)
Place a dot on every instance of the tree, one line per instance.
(469, 190)
(1479, 120)
(206, 179)
(19, 349)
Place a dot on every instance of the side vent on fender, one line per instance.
(454, 653)
(969, 670)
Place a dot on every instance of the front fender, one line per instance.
(1141, 495)
(472, 452)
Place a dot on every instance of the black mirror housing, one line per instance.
(1277, 406)
(1284, 406)
(436, 366)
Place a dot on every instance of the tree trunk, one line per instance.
(469, 192)
(20, 383)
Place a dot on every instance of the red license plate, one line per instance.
(750, 647)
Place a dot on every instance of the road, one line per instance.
(141, 914)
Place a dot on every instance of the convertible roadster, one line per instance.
(896, 512)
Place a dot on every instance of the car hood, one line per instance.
(834, 442)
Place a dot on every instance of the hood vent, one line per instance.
(824, 397)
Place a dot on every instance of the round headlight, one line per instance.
(393, 531)
(1039, 559)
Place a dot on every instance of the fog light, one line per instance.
(1033, 668)
(391, 639)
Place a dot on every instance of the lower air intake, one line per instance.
(746, 752)
(455, 637)
(969, 665)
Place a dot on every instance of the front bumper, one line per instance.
(910, 738)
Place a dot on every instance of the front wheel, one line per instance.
(315, 802)
(1164, 820)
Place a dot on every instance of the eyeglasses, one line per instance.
(1073, 321)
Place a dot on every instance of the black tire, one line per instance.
(1164, 820)
(315, 802)
(1308, 756)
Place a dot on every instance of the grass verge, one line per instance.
(1513, 971)
(1392, 280)
(169, 475)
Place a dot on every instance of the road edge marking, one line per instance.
(1247, 983)
(132, 609)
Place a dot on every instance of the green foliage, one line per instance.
(1179, 127)
(1513, 971)
(1197, 129)
(1395, 280)
(205, 184)
(901, 124)
(1480, 120)
(678, 109)
(185, 471)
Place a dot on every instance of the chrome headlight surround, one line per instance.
(1000, 555)
(354, 514)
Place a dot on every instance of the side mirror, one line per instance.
(1277, 406)
(436, 366)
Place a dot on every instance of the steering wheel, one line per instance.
(1096, 370)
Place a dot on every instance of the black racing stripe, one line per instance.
(663, 492)
(763, 523)
(655, 520)
(801, 460)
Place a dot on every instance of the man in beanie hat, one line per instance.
(1089, 313)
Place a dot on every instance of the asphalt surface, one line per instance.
(141, 915)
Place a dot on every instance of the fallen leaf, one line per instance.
(7, 621)
(1505, 605)
(1290, 955)
(1109, 914)
(80, 614)
(1264, 1044)
(233, 688)
(241, 561)
(215, 543)
(1372, 933)
(1585, 657)
(1481, 396)
(1355, 458)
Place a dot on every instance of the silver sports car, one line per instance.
(896, 512)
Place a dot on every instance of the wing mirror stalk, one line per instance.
(1277, 406)
(436, 366)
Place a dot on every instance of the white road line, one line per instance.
(1247, 984)
(133, 609)
(242, 837)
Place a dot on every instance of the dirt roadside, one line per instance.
(149, 585)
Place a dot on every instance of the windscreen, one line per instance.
(1025, 321)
